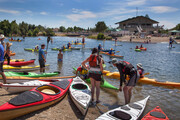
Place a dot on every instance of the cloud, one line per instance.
(167, 24)
(163, 9)
(81, 15)
(43, 13)
(136, 2)
(9, 11)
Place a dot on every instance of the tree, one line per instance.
(101, 26)
(30, 33)
(35, 31)
(49, 32)
(177, 27)
(23, 28)
(5, 26)
(62, 29)
(147, 16)
(14, 28)
(70, 29)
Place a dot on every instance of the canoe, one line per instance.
(143, 49)
(130, 111)
(19, 79)
(80, 94)
(155, 114)
(22, 68)
(24, 86)
(15, 40)
(30, 74)
(104, 83)
(137, 50)
(147, 80)
(35, 99)
(113, 55)
(20, 63)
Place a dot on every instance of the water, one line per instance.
(162, 63)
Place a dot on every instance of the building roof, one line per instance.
(129, 19)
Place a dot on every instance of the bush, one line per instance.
(100, 36)
(92, 37)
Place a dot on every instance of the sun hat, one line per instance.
(114, 61)
(140, 65)
(8, 44)
(2, 36)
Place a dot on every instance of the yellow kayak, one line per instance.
(78, 44)
(146, 80)
(22, 68)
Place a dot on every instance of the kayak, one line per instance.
(34, 99)
(116, 44)
(104, 83)
(155, 114)
(78, 43)
(137, 50)
(20, 79)
(22, 68)
(24, 86)
(20, 63)
(113, 55)
(147, 80)
(12, 54)
(15, 40)
(106, 50)
(30, 74)
(15, 60)
(80, 94)
(143, 49)
(31, 49)
(59, 49)
(130, 111)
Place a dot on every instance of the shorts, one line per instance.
(133, 79)
(59, 60)
(41, 63)
(96, 77)
(1, 67)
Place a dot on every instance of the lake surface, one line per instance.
(161, 62)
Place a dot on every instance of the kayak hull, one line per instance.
(44, 96)
(20, 63)
(113, 56)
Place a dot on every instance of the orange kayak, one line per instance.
(143, 49)
(112, 55)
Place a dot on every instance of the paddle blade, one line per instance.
(109, 74)
(146, 73)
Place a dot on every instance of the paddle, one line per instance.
(48, 39)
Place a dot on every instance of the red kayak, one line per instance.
(155, 114)
(35, 99)
(20, 63)
(143, 49)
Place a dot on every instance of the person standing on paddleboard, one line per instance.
(95, 72)
(126, 68)
(42, 58)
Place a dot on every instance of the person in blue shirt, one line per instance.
(111, 52)
(42, 58)
(2, 59)
(100, 47)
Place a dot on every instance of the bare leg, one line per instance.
(92, 88)
(125, 90)
(130, 93)
(97, 90)
(4, 77)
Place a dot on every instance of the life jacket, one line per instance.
(94, 60)
(127, 67)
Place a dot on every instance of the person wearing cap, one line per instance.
(125, 68)
(2, 37)
(7, 52)
(1, 63)
(140, 70)
(42, 58)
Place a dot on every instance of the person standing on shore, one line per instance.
(95, 72)
(126, 68)
(42, 58)
(2, 59)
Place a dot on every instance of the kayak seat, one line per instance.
(79, 86)
(135, 106)
(62, 84)
(125, 108)
(157, 115)
(26, 98)
(120, 115)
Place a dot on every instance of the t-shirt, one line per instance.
(41, 52)
(1, 52)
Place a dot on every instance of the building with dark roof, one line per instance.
(139, 24)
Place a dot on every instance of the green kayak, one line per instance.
(137, 50)
(31, 49)
(30, 74)
(59, 49)
(105, 83)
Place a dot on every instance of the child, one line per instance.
(60, 56)
(83, 72)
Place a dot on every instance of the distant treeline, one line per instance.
(23, 29)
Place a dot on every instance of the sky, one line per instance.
(86, 13)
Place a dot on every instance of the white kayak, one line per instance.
(80, 94)
(130, 111)
(24, 86)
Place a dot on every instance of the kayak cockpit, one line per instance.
(79, 86)
(50, 90)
